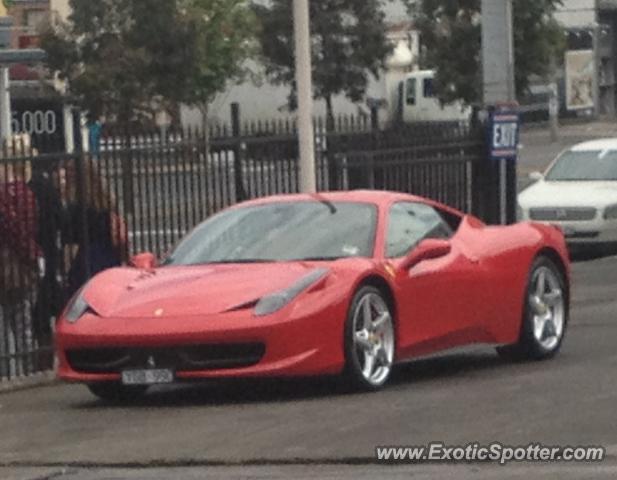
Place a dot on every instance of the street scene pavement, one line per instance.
(313, 429)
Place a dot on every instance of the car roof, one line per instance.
(376, 197)
(596, 145)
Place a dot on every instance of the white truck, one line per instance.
(415, 101)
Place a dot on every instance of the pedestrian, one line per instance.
(93, 224)
(95, 130)
(50, 225)
(20, 267)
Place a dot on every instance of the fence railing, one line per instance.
(79, 213)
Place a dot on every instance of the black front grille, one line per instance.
(570, 214)
(180, 358)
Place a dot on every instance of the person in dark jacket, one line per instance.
(93, 225)
(51, 222)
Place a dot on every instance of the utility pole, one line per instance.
(498, 52)
(499, 89)
(304, 85)
(5, 105)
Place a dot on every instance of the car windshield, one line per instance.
(594, 165)
(281, 232)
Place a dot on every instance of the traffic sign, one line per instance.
(504, 126)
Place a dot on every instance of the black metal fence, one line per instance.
(67, 216)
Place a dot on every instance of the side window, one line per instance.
(410, 223)
(428, 88)
(411, 91)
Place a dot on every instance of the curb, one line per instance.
(32, 381)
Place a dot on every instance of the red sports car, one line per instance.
(335, 283)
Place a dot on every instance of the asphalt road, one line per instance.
(236, 430)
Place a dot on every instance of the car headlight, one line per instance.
(76, 308)
(610, 213)
(276, 301)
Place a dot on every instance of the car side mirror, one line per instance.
(428, 249)
(536, 176)
(144, 261)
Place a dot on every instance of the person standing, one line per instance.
(93, 225)
(20, 267)
(51, 221)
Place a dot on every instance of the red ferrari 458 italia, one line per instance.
(344, 283)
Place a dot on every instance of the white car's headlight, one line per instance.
(610, 213)
(76, 308)
(276, 301)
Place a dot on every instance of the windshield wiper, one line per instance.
(318, 259)
(242, 260)
(325, 202)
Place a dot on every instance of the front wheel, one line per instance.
(545, 314)
(369, 340)
(116, 392)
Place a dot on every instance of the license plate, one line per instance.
(147, 377)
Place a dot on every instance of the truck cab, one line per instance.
(417, 101)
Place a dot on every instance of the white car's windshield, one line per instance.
(594, 165)
(281, 232)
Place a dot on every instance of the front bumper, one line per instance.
(597, 231)
(295, 343)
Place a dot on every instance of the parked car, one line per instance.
(578, 193)
(336, 283)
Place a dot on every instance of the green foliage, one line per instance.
(123, 57)
(451, 33)
(222, 36)
(348, 43)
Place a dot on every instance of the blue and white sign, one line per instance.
(504, 133)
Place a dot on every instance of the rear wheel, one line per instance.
(545, 314)
(116, 392)
(369, 340)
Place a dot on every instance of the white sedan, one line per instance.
(578, 192)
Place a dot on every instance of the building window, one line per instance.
(34, 19)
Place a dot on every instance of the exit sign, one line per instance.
(504, 126)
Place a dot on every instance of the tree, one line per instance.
(451, 34)
(223, 34)
(122, 57)
(348, 43)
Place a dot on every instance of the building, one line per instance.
(590, 29)
(607, 56)
(261, 100)
(29, 17)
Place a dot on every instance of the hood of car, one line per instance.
(569, 194)
(187, 291)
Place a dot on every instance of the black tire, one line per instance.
(355, 379)
(529, 347)
(117, 393)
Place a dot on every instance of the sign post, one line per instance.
(503, 132)
(7, 58)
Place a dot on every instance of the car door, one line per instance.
(438, 298)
